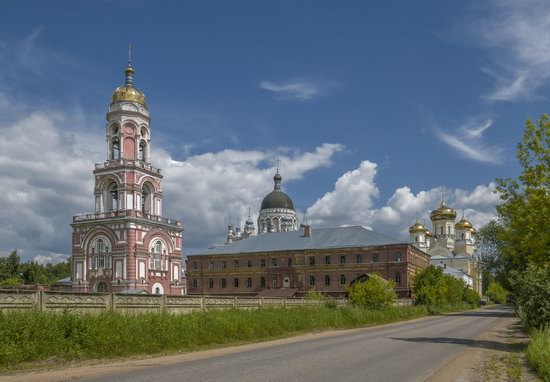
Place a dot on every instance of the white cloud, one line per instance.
(514, 35)
(296, 90)
(353, 202)
(467, 140)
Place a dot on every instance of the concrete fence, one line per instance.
(128, 303)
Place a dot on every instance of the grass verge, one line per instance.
(538, 353)
(30, 337)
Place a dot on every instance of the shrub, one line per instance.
(375, 293)
(454, 289)
(496, 292)
(538, 353)
(532, 296)
(471, 297)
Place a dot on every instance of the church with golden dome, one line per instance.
(451, 245)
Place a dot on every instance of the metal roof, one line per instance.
(321, 238)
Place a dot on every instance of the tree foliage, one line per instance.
(497, 293)
(14, 272)
(433, 288)
(532, 295)
(375, 293)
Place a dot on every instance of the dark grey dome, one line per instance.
(277, 199)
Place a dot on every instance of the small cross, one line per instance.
(278, 161)
(129, 53)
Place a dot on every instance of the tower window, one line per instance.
(398, 256)
(442, 230)
(158, 254)
(142, 154)
(115, 148)
(448, 230)
(398, 278)
(327, 280)
(312, 280)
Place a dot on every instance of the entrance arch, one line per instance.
(101, 287)
(157, 288)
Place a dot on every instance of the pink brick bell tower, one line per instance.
(126, 245)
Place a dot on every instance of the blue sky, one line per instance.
(435, 93)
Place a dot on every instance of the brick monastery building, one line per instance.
(283, 260)
(126, 245)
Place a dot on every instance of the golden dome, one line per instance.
(464, 224)
(473, 231)
(443, 213)
(429, 233)
(417, 228)
(128, 92)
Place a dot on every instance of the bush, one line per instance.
(375, 293)
(471, 297)
(496, 292)
(454, 289)
(538, 353)
(532, 296)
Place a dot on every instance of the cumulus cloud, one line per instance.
(468, 141)
(296, 90)
(514, 35)
(352, 202)
(46, 168)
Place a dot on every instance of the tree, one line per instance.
(523, 236)
(429, 287)
(497, 293)
(532, 295)
(375, 293)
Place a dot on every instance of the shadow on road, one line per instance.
(483, 344)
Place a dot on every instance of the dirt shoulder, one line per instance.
(496, 356)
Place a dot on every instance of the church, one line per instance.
(126, 245)
(451, 246)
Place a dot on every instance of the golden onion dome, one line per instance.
(443, 213)
(473, 231)
(417, 228)
(429, 233)
(128, 92)
(464, 224)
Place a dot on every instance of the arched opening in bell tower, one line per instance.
(147, 194)
(115, 148)
(112, 197)
(142, 154)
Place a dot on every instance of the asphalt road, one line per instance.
(410, 351)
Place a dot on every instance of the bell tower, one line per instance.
(126, 245)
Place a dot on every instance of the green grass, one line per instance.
(30, 337)
(538, 353)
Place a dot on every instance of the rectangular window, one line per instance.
(195, 283)
(375, 258)
(342, 280)
(358, 259)
(249, 263)
(342, 259)
(195, 265)
(210, 264)
(327, 280)
(223, 264)
(398, 278)
(142, 269)
(224, 283)
(235, 282)
(311, 260)
(274, 262)
(289, 261)
(118, 269)
(210, 283)
(327, 260)
(249, 282)
(274, 282)
(235, 263)
(262, 263)
(312, 280)
(398, 256)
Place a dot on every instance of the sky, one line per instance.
(375, 109)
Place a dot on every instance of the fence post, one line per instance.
(41, 302)
(261, 302)
(203, 303)
(234, 302)
(163, 303)
(284, 302)
(113, 301)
